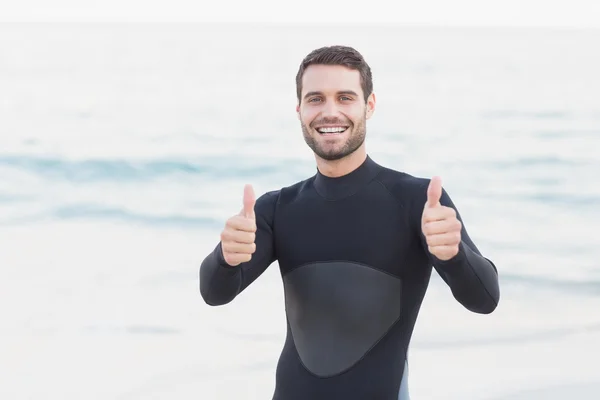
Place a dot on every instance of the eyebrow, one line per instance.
(350, 92)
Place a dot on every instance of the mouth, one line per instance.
(331, 130)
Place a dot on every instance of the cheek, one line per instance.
(358, 114)
(306, 117)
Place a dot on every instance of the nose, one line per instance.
(330, 109)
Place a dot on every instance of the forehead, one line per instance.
(330, 78)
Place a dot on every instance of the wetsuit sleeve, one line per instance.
(220, 283)
(472, 278)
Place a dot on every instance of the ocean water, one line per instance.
(123, 149)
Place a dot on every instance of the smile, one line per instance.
(332, 130)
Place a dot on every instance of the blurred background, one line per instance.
(127, 132)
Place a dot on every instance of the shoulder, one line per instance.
(268, 198)
(292, 192)
(269, 201)
(407, 188)
(411, 190)
(265, 205)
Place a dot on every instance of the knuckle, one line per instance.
(224, 235)
(247, 226)
(425, 229)
(237, 221)
(232, 225)
(243, 237)
(230, 260)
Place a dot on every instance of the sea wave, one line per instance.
(95, 212)
(95, 170)
(523, 114)
(578, 287)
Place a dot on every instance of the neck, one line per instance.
(343, 166)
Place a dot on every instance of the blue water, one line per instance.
(124, 148)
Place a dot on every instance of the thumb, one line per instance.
(434, 192)
(249, 201)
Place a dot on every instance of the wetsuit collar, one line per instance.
(346, 185)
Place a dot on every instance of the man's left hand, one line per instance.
(439, 224)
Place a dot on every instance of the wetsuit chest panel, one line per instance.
(338, 311)
(370, 227)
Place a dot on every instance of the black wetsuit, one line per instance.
(355, 268)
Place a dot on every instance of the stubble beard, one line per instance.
(355, 139)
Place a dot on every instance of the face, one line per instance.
(332, 110)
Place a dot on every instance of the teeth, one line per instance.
(336, 129)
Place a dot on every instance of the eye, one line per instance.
(346, 98)
(312, 100)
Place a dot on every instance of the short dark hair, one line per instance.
(337, 55)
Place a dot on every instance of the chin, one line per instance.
(334, 155)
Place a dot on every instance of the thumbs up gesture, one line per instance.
(239, 234)
(439, 224)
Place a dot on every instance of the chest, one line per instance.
(368, 228)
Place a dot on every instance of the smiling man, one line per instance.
(356, 244)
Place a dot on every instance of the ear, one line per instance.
(298, 110)
(371, 100)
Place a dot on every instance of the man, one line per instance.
(355, 244)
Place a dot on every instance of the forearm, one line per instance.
(472, 278)
(219, 282)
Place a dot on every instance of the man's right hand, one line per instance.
(237, 239)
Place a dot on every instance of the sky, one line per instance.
(547, 13)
